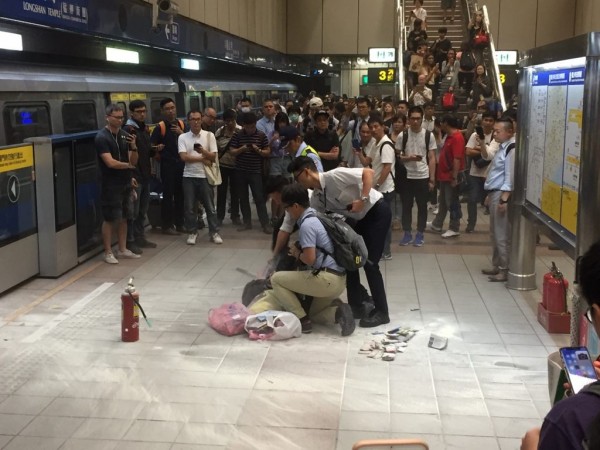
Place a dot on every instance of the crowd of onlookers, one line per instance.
(437, 69)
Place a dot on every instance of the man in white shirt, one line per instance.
(382, 159)
(417, 152)
(420, 94)
(197, 148)
(351, 192)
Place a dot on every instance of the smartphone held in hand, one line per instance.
(578, 366)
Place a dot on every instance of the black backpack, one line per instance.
(467, 61)
(400, 174)
(349, 248)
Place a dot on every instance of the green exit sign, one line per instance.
(365, 79)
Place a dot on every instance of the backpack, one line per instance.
(163, 126)
(400, 175)
(467, 61)
(349, 248)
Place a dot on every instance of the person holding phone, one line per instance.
(576, 418)
(361, 148)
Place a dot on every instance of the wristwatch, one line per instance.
(365, 199)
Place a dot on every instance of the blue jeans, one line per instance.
(373, 228)
(449, 202)
(242, 181)
(194, 190)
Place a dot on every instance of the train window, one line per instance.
(24, 121)
(195, 103)
(209, 102)
(156, 110)
(79, 116)
(218, 105)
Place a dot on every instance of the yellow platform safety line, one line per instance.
(28, 308)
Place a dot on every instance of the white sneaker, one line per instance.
(450, 234)
(109, 258)
(216, 238)
(435, 210)
(128, 254)
(191, 240)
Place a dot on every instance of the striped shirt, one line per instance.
(249, 161)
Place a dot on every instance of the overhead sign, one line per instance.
(506, 57)
(382, 55)
(69, 14)
(383, 75)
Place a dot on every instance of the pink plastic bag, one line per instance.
(228, 319)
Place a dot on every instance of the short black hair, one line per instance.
(510, 114)
(248, 118)
(508, 125)
(451, 120)
(399, 117)
(246, 100)
(229, 114)
(194, 111)
(416, 109)
(363, 100)
(376, 119)
(135, 104)
(295, 193)
(488, 114)
(403, 102)
(301, 163)
(443, 30)
(364, 123)
(164, 101)
(589, 273)
(112, 108)
(276, 184)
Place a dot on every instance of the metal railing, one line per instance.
(402, 36)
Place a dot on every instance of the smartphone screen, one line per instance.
(355, 143)
(579, 367)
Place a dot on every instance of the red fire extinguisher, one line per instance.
(130, 314)
(554, 295)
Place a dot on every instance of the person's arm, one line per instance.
(385, 172)
(212, 151)
(531, 439)
(428, 94)
(281, 242)
(431, 163)
(112, 163)
(308, 255)
(367, 184)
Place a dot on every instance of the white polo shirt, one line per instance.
(382, 154)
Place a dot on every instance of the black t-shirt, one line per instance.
(249, 161)
(117, 146)
(171, 150)
(143, 171)
(323, 142)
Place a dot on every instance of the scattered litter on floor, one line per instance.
(385, 345)
(437, 342)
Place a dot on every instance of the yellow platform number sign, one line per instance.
(382, 75)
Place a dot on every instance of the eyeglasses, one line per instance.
(116, 117)
(589, 315)
(140, 111)
(297, 174)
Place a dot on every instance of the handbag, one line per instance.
(449, 101)
(481, 39)
(213, 172)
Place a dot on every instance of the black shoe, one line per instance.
(236, 221)
(143, 243)
(469, 229)
(306, 325)
(267, 229)
(170, 232)
(181, 229)
(132, 246)
(245, 227)
(345, 318)
(374, 320)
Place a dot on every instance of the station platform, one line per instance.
(68, 382)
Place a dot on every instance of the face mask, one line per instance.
(246, 109)
(294, 118)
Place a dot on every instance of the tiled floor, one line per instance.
(68, 382)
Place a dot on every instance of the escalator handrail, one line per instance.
(495, 70)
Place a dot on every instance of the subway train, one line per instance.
(41, 100)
